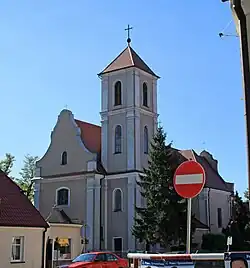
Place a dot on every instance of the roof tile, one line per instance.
(213, 178)
(126, 59)
(15, 207)
(91, 136)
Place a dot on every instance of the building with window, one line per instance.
(213, 206)
(241, 14)
(89, 172)
(22, 228)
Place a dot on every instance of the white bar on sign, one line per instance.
(189, 179)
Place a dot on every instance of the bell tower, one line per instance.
(128, 111)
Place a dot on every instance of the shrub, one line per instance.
(214, 242)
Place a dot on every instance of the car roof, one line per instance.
(98, 252)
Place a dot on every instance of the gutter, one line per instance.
(135, 151)
(208, 208)
(43, 247)
(236, 5)
(101, 203)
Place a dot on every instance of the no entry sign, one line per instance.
(189, 179)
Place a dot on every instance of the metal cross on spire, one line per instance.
(128, 29)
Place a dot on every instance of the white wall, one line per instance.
(219, 199)
(210, 200)
(33, 241)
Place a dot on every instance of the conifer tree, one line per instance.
(164, 218)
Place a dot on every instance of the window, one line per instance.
(118, 139)
(88, 257)
(62, 249)
(117, 200)
(17, 249)
(118, 93)
(101, 257)
(145, 95)
(145, 140)
(219, 217)
(111, 257)
(62, 197)
(117, 244)
(64, 158)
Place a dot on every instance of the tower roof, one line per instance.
(126, 59)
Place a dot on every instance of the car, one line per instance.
(97, 260)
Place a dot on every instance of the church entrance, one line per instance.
(49, 248)
(117, 245)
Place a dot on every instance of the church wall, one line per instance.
(205, 207)
(117, 221)
(64, 137)
(219, 199)
(78, 198)
(125, 76)
(196, 207)
(145, 120)
(203, 211)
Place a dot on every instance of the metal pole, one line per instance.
(189, 214)
(194, 257)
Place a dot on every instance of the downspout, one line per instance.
(101, 203)
(246, 73)
(43, 247)
(208, 208)
(134, 103)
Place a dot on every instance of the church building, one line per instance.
(86, 181)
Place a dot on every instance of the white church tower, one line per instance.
(128, 111)
(129, 120)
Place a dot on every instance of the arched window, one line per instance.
(118, 93)
(64, 159)
(145, 95)
(62, 196)
(145, 140)
(118, 139)
(117, 200)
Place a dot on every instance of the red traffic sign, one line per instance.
(189, 179)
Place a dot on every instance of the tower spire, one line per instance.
(128, 39)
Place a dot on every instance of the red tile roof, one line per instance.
(213, 178)
(15, 208)
(126, 59)
(91, 136)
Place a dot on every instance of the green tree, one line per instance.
(164, 218)
(246, 194)
(27, 174)
(239, 227)
(7, 163)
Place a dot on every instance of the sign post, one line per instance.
(189, 180)
(189, 217)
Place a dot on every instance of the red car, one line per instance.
(97, 260)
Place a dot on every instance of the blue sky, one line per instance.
(51, 51)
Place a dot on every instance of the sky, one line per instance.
(51, 52)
